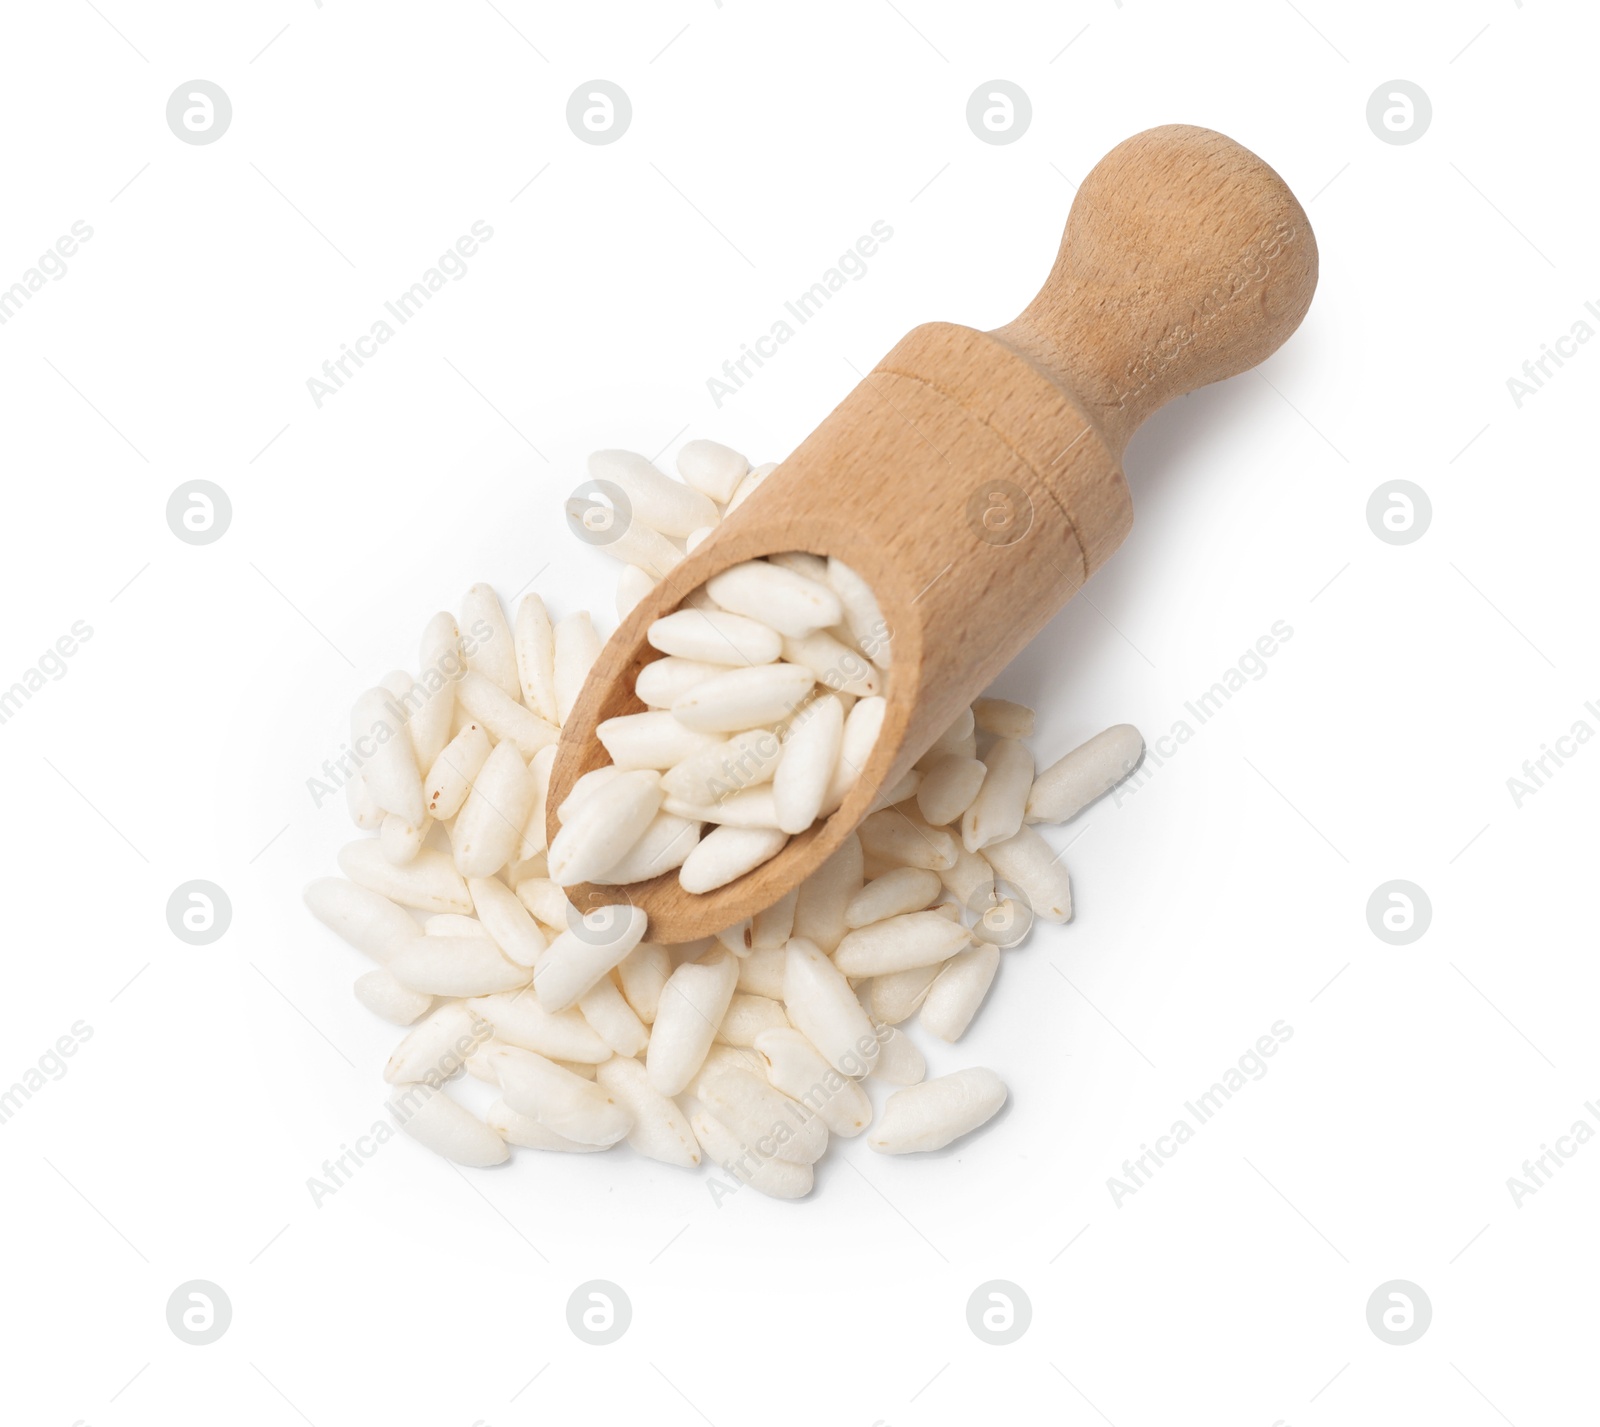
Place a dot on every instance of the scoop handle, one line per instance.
(1186, 259)
(974, 479)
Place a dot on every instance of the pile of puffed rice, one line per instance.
(751, 1046)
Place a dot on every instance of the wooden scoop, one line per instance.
(974, 478)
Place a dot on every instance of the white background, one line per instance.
(1227, 893)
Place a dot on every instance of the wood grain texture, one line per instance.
(974, 478)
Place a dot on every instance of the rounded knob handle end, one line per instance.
(1186, 259)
